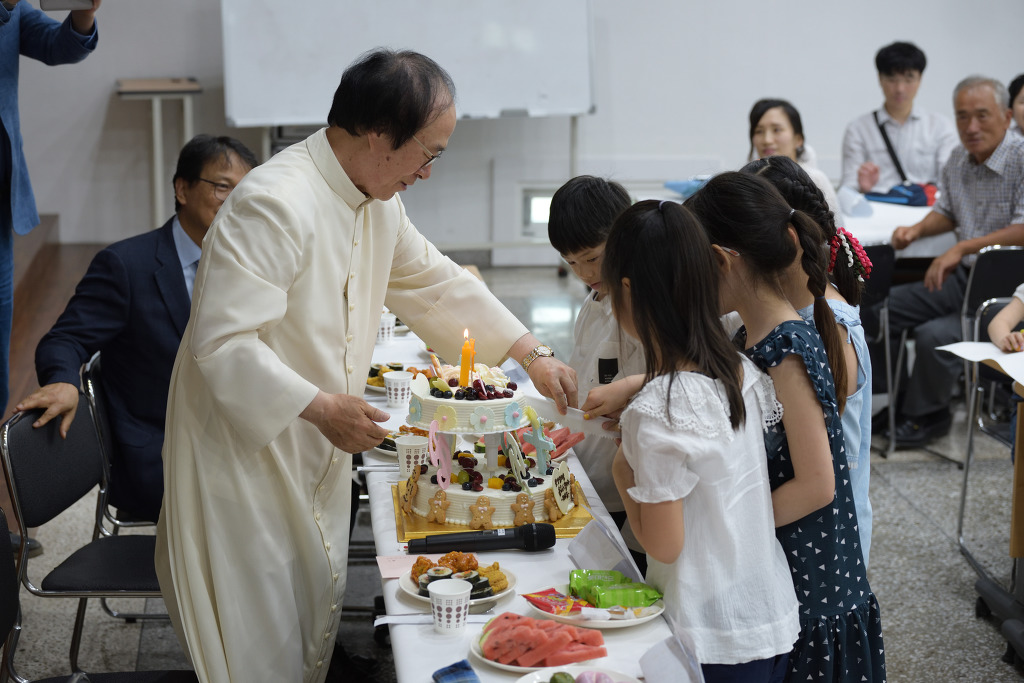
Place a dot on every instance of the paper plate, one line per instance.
(597, 623)
(475, 651)
(385, 452)
(411, 589)
(544, 675)
(375, 389)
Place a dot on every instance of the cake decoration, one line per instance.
(523, 507)
(438, 449)
(411, 489)
(482, 512)
(438, 507)
(554, 514)
(538, 440)
(562, 485)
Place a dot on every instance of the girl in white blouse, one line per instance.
(692, 467)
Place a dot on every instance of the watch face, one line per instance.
(543, 350)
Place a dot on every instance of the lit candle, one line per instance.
(466, 362)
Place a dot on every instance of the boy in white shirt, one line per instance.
(582, 213)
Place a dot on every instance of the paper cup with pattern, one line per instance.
(412, 452)
(398, 386)
(449, 603)
(386, 331)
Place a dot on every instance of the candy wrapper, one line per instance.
(625, 595)
(582, 582)
(553, 602)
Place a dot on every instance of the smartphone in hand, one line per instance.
(55, 5)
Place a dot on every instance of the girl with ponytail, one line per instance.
(692, 470)
(757, 237)
(848, 267)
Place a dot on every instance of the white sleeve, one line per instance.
(659, 458)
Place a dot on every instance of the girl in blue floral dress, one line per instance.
(757, 236)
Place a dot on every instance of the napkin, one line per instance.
(459, 672)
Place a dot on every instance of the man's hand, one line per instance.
(941, 268)
(59, 398)
(348, 422)
(83, 20)
(867, 176)
(904, 235)
(556, 380)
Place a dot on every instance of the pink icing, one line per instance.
(440, 458)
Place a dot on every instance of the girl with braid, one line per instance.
(756, 236)
(848, 266)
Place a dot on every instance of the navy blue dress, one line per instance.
(840, 623)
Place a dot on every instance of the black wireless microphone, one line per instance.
(529, 537)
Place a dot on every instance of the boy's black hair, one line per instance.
(899, 58)
(1015, 87)
(583, 211)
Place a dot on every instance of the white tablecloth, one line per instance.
(877, 229)
(417, 649)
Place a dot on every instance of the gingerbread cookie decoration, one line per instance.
(554, 514)
(411, 488)
(481, 512)
(438, 507)
(574, 489)
(523, 507)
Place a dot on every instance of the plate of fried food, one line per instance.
(489, 583)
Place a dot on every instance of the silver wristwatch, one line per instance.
(538, 351)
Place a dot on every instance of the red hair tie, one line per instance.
(860, 265)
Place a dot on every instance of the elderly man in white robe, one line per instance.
(265, 409)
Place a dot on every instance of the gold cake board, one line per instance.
(414, 526)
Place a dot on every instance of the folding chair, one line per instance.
(9, 624)
(114, 521)
(876, 290)
(46, 475)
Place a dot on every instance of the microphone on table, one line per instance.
(529, 537)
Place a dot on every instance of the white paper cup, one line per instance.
(386, 331)
(398, 386)
(412, 452)
(449, 603)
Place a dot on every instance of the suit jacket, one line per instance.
(132, 305)
(27, 31)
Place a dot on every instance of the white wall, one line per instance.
(673, 84)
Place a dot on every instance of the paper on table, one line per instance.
(393, 566)
(1011, 363)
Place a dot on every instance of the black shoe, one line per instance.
(32, 546)
(346, 668)
(915, 432)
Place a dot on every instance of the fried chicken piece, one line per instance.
(458, 562)
(499, 581)
(422, 565)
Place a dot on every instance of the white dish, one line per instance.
(598, 623)
(411, 589)
(475, 651)
(401, 329)
(385, 452)
(375, 389)
(544, 675)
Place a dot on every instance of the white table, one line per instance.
(417, 649)
(877, 229)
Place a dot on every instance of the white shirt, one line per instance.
(601, 353)
(252, 542)
(922, 143)
(1019, 293)
(188, 254)
(730, 587)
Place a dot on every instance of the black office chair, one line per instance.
(114, 520)
(46, 475)
(10, 608)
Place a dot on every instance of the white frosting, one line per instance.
(472, 417)
(460, 502)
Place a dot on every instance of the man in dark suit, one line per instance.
(133, 305)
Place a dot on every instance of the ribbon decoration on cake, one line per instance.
(539, 441)
(440, 456)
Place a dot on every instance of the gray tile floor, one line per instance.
(924, 585)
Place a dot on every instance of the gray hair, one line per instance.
(1002, 95)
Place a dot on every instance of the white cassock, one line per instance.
(253, 536)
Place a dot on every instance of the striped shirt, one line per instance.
(982, 198)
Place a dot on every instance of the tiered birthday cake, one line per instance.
(493, 485)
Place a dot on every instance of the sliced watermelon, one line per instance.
(569, 442)
(589, 636)
(553, 644)
(574, 652)
(557, 435)
(504, 619)
(524, 639)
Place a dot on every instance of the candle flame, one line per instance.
(465, 334)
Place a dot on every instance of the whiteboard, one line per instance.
(284, 60)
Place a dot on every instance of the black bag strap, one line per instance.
(888, 146)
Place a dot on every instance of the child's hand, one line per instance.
(1014, 341)
(608, 400)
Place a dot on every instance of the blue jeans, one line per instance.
(771, 670)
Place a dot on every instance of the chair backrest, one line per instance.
(47, 474)
(878, 284)
(997, 271)
(92, 387)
